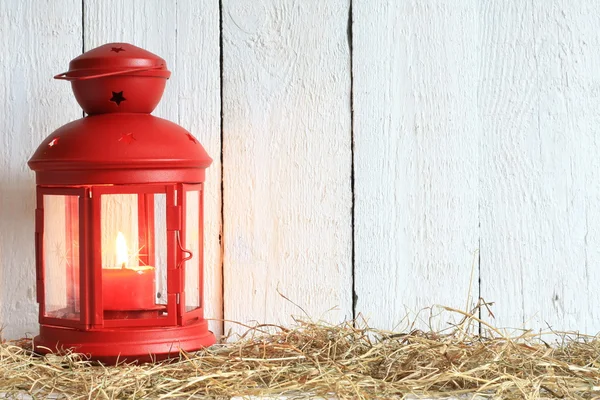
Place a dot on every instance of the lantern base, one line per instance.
(111, 345)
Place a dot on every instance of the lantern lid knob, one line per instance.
(117, 77)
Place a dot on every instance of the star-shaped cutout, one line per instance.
(53, 142)
(191, 137)
(127, 138)
(117, 49)
(117, 97)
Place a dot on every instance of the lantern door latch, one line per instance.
(188, 254)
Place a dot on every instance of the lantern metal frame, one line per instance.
(90, 265)
(138, 340)
(87, 159)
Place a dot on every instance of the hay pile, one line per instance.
(347, 361)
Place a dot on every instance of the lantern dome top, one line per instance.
(117, 77)
(119, 148)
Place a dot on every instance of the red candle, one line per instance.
(128, 289)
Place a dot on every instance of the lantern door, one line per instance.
(192, 256)
(134, 257)
(60, 259)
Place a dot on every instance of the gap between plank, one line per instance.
(222, 233)
(350, 33)
(479, 275)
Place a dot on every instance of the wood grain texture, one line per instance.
(540, 109)
(416, 134)
(37, 40)
(475, 126)
(287, 158)
(199, 100)
(186, 34)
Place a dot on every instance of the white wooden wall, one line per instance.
(371, 156)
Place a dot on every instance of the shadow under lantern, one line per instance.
(119, 218)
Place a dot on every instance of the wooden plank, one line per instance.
(287, 158)
(186, 35)
(37, 40)
(416, 145)
(199, 101)
(540, 108)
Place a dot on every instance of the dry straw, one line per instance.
(349, 361)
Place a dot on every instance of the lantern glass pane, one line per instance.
(119, 219)
(133, 242)
(193, 232)
(61, 257)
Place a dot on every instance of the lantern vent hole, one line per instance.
(127, 138)
(117, 97)
(192, 138)
(117, 49)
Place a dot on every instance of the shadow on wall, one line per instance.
(18, 306)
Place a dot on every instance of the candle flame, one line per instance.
(122, 251)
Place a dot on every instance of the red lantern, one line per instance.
(119, 217)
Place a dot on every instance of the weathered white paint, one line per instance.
(186, 34)
(286, 143)
(539, 164)
(36, 40)
(475, 127)
(199, 99)
(416, 132)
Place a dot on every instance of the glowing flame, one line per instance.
(122, 251)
